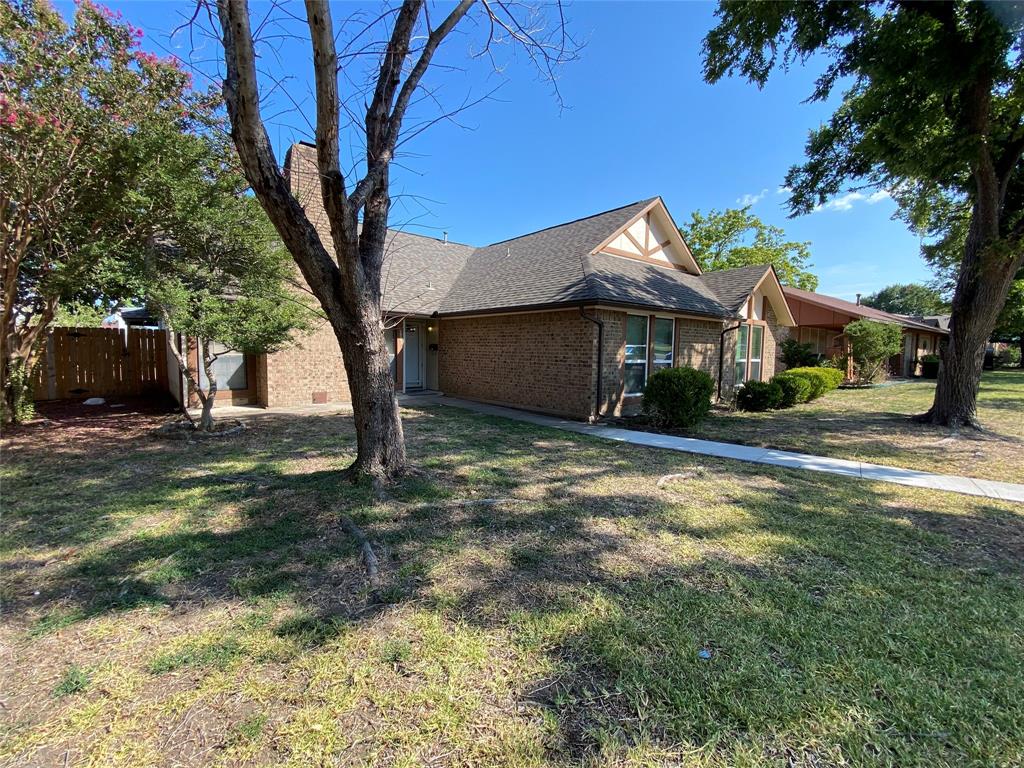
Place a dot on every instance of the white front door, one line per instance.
(413, 355)
(908, 354)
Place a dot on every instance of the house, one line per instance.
(820, 319)
(569, 320)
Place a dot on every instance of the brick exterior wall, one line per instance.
(772, 338)
(312, 366)
(541, 361)
(613, 360)
(697, 345)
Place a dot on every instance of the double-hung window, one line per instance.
(664, 329)
(756, 344)
(742, 347)
(636, 354)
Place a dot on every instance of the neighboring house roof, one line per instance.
(857, 310)
(936, 321)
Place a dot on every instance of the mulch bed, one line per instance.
(70, 421)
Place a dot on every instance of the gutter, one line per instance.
(600, 359)
(721, 354)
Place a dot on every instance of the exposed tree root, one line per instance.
(930, 419)
(369, 557)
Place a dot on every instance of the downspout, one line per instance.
(600, 359)
(721, 354)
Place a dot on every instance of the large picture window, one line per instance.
(664, 331)
(636, 354)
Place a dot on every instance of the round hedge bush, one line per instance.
(759, 396)
(795, 389)
(678, 397)
(821, 380)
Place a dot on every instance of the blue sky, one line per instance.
(638, 120)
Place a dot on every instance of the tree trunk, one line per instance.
(986, 272)
(206, 419)
(379, 434)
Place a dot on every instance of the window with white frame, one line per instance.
(664, 342)
(756, 345)
(636, 354)
(742, 347)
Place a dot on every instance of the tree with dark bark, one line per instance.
(344, 274)
(934, 110)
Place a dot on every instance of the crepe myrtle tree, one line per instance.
(79, 103)
(382, 63)
(932, 110)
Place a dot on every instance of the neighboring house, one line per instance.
(820, 320)
(569, 320)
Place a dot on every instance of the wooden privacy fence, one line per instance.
(101, 362)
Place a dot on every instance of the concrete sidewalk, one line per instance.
(972, 486)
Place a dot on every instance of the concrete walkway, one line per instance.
(972, 486)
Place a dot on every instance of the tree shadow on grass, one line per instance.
(823, 603)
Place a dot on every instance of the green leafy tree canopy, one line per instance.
(932, 110)
(907, 299)
(737, 238)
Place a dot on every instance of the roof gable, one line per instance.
(652, 236)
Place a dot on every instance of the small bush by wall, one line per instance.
(795, 389)
(759, 396)
(678, 397)
(821, 380)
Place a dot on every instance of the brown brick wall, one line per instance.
(697, 345)
(541, 361)
(613, 361)
(311, 365)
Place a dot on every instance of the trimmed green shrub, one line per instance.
(821, 380)
(795, 389)
(759, 396)
(872, 344)
(678, 397)
(930, 366)
(796, 354)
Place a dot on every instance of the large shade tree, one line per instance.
(933, 109)
(907, 299)
(80, 109)
(737, 238)
(344, 271)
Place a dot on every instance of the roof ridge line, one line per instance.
(571, 221)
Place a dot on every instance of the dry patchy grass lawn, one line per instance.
(174, 604)
(874, 425)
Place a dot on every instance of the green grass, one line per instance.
(874, 425)
(75, 680)
(223, 615)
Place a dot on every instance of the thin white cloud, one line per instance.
(850, 199)
(783, 190)
(749, 199)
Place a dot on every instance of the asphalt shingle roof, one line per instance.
(419, 272)
(553, 266)
(857, 310)
(732, 286)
